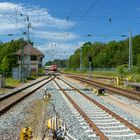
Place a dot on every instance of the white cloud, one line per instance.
(44, 25)
(39, 17)
(56, 50)
(9, 6)
(55, 36)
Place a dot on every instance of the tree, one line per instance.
(111, 54)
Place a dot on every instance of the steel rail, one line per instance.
(119, 118)
(112, 89)
(93, 76)
(12, 100)
(87, 119)
(17, 91)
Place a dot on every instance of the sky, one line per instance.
(59, 27)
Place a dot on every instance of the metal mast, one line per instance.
(130, 51)
(22, 64)
(81, 59)
(28, 45)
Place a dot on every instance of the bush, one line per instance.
(41, 71)
(122, 69)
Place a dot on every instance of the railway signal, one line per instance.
(89, 61)
(90, 58)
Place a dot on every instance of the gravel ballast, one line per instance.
(18, 117)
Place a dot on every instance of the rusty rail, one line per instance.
(10, 101)
(119, 118)
(87, 119)
(111, 89)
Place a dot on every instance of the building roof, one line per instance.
(29, 48)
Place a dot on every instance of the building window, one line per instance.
(33, 57)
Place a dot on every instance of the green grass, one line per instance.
(136, 75)
(99, 73)
(10, 82)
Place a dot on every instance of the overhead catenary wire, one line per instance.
(68, 16)
(82, 17)
(19, 29)
(85, 14)
(11, 20)
(73, 7)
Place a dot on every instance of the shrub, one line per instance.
(122, 69)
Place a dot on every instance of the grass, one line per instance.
(108, 74)
(98, 73)
(10, 83)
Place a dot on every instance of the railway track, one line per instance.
(97, 120)
(110, 89)
(10, 100)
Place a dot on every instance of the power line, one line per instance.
(85, 14)
(68, 17)
(102, 16)
(74, 6)
(11, 21)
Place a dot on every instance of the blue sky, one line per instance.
(59, 27)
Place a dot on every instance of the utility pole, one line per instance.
(28, 44)
(81, 58)
(22, 64)
(130, 51)
(68, 63)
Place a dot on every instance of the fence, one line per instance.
(19, 74)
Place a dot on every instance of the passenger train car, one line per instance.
(52, 67)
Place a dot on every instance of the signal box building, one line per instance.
(36, 58)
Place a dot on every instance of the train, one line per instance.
(52, 67)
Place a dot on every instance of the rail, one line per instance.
(9, 101)
(111, 89)
(125, 122)
(88, 120)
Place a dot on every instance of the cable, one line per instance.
(86, 13)
(74, 6)
(68, 17)
(82, 17)
(11, 21)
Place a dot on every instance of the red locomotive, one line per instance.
(54, 67)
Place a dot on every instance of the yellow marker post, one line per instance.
(26, 133)
(116, 80)
(86, 85)
(53, 123)
(46, 97)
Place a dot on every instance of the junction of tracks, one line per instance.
(67, 107)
